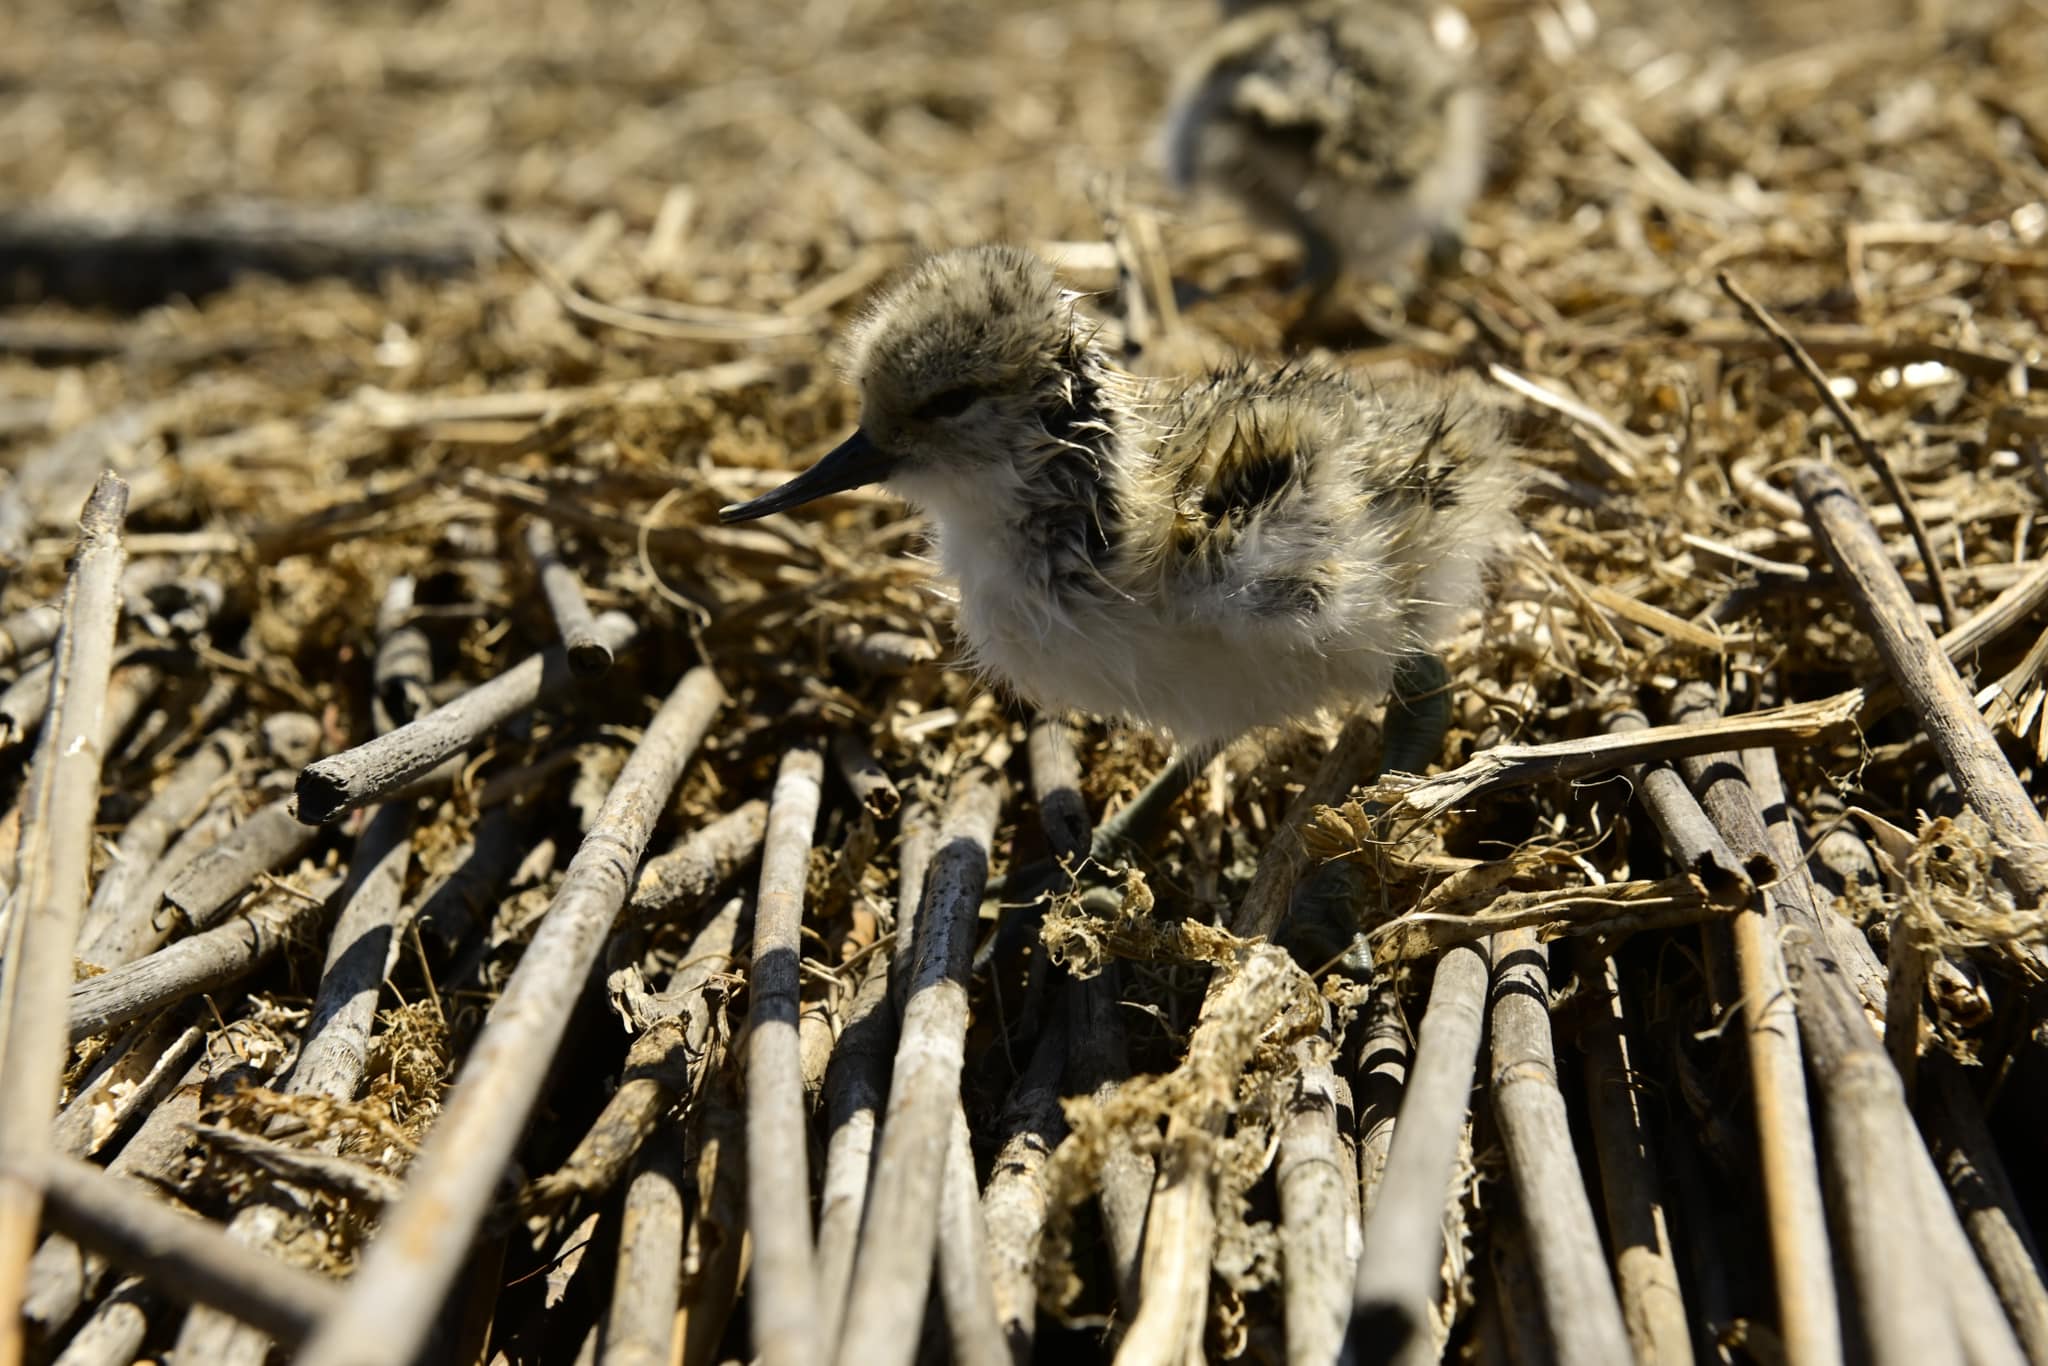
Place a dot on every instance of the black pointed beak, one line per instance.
(852, 463)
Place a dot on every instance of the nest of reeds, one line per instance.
(512, 917)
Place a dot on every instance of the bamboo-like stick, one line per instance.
(1402, 1267)
(140, 924)
(920, 836)
(639, 1326)
(1969, 1164)
(1809, 1318)
(667, 1063)
(1014, 1204)
(24, 703)
(1180, 1226)
(185, 1256)
(116, 1330)
(674, 884)
(589, 655)
(1579, 1303)
(49, 900)
(226, 953)
(865, 777)
(28, 631)
(715, 1243)
(1381, 1081)
(330, 788)
(1693, 842)
(1645, 1269)
(856, 1086)
(452, 907)
(148, 832)
(963, 1270)
(403, 669)
(1315, 1175)
(304, 1166)
(1961, 736)
(405, 1275)
(1872, 455)
(265, 841)
(784, 1280)
(1879, 1167)
(893, 1268)
(134, 1079)
(1517, 765)
(1056, 789)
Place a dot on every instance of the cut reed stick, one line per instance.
(1809, 1319)
(666, 1064)
(49, 900)
(1316, 1177)
(453, 906)
(856, 1086)
(640, 1323)
(330, 788)
(1693, 842)
(1416, 798)
(1056, 789)
(403, 669)
(1180, 1226)
(1378, 1085)
(262, 843)
(146, 1064)
(1872, 456)
(963, 1267)
(893, 1268)
(360, 953)
(185, 1256)
(115, 1331)
(1579, 1303)
(406, 1273)
(1402, 1266)
(204, 962)
(142, 843)
(1961, 736)
(24, 703)
(784, 1279)
(1638, 1229)
(1014, 1205)
(864, 777)
(673, 885)
(28, 631)
(589, 655)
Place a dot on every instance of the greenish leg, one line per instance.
(1137, 825)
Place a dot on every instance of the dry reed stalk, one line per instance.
(1579, 1303)
(1517, 765)
(49, 900)
(856, 1087)
(640, 1324)
(204, 962)
(714, 1244)
(1879, 1164)
(893, 1267)
(330, 788)
(406, 1273)
(1638, 1229)
(1180, 1226)
(1056, 789)
(1015, 1203)
(1809, 1320)
(24, 703)
(589, 655)
(131, 1081)
(142, 843)
(116, 1330)
(674, 884)
(1872, 456)
(1402, 1266)
(667, 1064)
(262, 843)
(28, 631)
(963, 1275)
(343, 1176)
(920, 836)
(1693, 842)
(183, 1255)
(1377, 1088)
(864, 777)
(784, 1280)
(1970, 1167)
(1961, 736)
(1317, 1180)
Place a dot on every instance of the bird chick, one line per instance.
(1353, 123)
(1204, 555)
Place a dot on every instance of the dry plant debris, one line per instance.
(424, 343)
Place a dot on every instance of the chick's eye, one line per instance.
(948, 402)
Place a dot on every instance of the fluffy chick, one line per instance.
(1354, 123)
(1202, 555)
